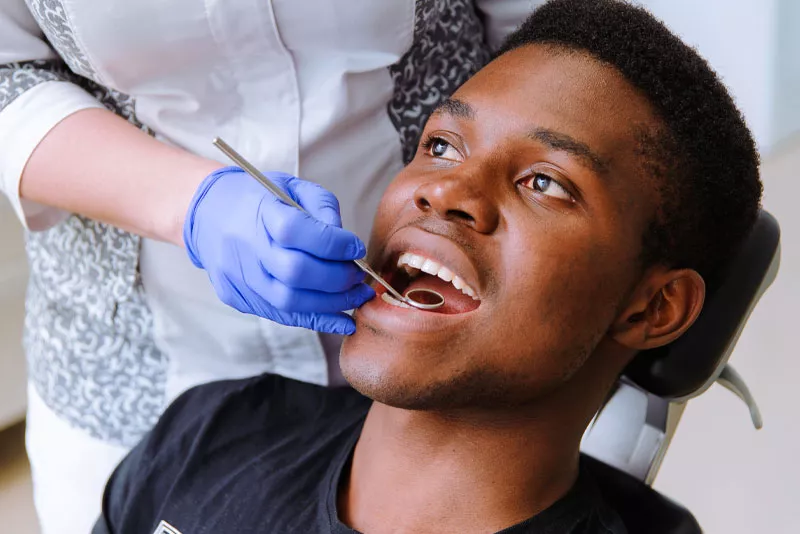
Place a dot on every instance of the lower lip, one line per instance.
(378, 312)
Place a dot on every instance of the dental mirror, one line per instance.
(423, 299)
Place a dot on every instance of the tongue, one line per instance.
(454, 300)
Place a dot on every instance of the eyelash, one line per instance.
(429, 140)
(553, 181)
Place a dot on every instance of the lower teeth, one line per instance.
(394, 302)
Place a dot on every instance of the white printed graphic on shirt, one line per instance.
(166, 528)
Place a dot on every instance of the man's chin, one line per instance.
(409, 387)
(380, 386)
(371, 366)
(389, 387)
(413, 375)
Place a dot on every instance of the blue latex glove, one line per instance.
(272, 260)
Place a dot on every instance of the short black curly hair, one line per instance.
(705, 160)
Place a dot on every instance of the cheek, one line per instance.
(397, 196)
(566, 285)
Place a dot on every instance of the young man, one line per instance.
(572, 201)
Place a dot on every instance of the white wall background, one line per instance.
(786, 111)
(755, 46)
(738, 39)
(737, 480)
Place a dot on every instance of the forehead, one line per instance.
(539, 86)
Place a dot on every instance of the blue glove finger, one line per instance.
(315, 199)
(290, 299)
(318, 201)
(329, 323)
(304, 300)
(300, 270)
(292, 228)
(332, 323)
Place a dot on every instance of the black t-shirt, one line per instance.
(264, 455)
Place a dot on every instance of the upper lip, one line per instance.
(432, 246)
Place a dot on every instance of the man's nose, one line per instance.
(458, 199)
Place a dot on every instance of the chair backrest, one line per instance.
(629, 437)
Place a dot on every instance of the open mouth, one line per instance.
(408, 271)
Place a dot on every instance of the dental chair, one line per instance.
(627, 440)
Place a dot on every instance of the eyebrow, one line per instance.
(456, 108)
(565, 143)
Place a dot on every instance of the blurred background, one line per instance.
(734, 479)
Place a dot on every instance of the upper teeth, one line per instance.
(432, 267)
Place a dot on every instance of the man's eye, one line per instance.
(547, 186)
(439, 148)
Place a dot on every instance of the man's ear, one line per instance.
(661, 309)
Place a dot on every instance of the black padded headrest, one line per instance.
(641, 508)
(685, 366)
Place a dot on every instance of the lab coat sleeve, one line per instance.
(36, 93)
(501, 17)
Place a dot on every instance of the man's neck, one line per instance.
(418, 471)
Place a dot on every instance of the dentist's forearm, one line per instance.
(98, 165)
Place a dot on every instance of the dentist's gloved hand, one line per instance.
(272, 260)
